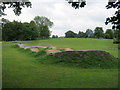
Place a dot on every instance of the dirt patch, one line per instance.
(68, 49)
(52, 47)
(34, 49)
(52, 51)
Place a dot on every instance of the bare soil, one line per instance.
(34, 49)
(52, 51)
(68, 49)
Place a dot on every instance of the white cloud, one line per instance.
(66, 17)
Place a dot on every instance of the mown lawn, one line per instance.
(20, 70)
(79, 44)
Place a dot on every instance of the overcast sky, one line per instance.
(66, 17)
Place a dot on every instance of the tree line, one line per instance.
(35, 29)
(97, 33)
(17, 6)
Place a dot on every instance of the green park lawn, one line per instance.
(79, 44)
(20, 70)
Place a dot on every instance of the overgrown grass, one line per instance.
(89, 60)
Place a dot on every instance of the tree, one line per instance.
(34, 30)
(117, 36)
(109, 34)
(44, 32)
(98, 32)
(43, 24)
(8, 32)
(3, 21)
(54, 36)
(89, 33)
(41, 20)
(81, 34)
(16, 4)
(0, 31)
(70, 34)
(115, 19)
(19, 31)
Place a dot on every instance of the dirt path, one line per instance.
(26, 46)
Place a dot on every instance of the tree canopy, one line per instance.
(43, 24)
(41, 20)
(115, 19)
(15, 30)
(81, 34)
(98, 32)
(70, 34)
(89, 33)
(17, 6)
(109, 34)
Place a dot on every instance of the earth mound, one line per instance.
(87, 59)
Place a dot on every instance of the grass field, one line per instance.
(80, 44)
(20, 70)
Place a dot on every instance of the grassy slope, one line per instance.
(0, 65)
(21, 70)
(80, 44)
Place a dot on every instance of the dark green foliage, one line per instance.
(89, 33)
(81, 34)
(115, 19)
(117, 36)
(44, 32)
(54, 36)
(70, 34)
(109, 34)
(98, 32)
(15, 30)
